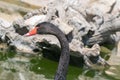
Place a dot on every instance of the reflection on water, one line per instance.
(16, 67)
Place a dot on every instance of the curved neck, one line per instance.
(64, 57)
(48, 28)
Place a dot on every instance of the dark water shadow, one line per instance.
(52, 52)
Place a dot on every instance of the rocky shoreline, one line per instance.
(84, 25)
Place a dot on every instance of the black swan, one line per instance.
(49, 28)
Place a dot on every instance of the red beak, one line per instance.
(32, 32)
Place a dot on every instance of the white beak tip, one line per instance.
(27, 34)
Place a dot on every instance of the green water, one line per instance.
(14, 66)
(39, 65)
(48, 68)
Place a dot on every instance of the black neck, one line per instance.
(48, 28)
(64, 58)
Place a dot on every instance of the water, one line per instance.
(15, 66)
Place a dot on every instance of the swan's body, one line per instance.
(48, 28)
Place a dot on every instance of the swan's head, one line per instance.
(42, 28)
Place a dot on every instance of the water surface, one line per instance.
(17, 67)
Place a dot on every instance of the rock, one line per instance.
(94, 51)
(35, 19)
(77, 5)
(65, 28)
(49, 38)
(115, 38)
(11, 38)
(100, 7)
(75, 45)
(42, 18)
(116, 8)
(23, 44)
(84, 20)
(4, 24)
(104, 33)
